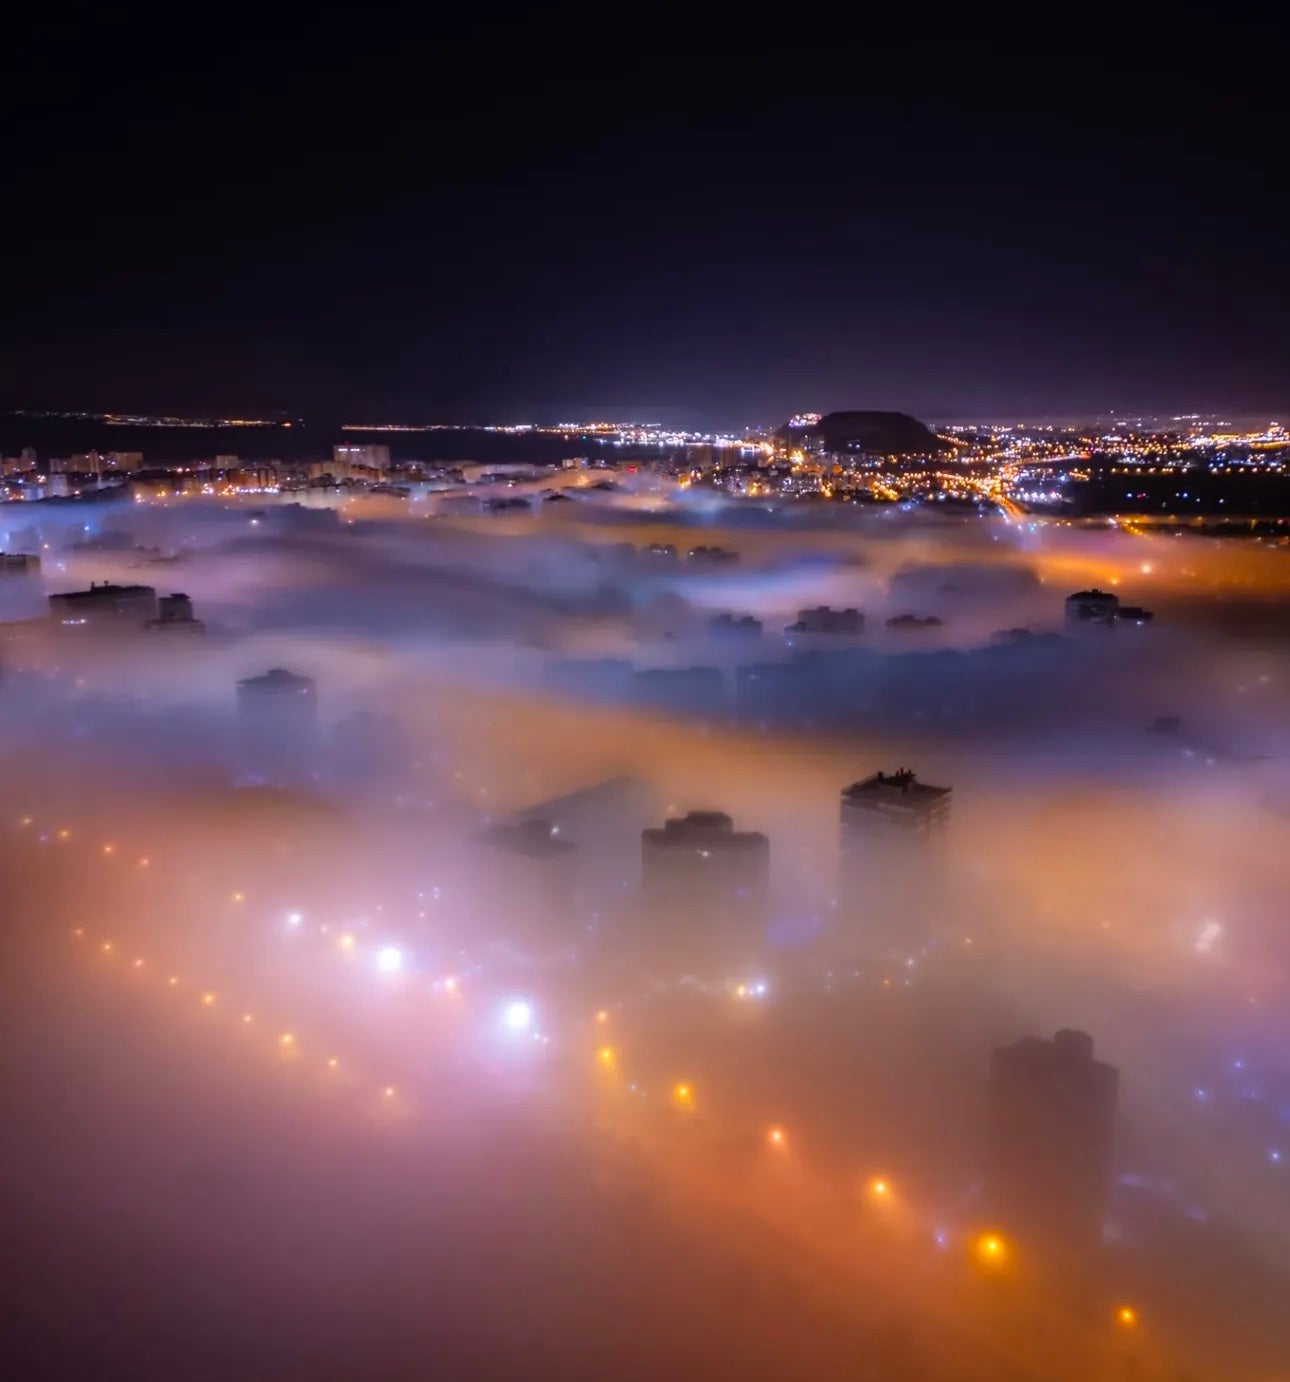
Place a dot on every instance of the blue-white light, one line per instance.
(294, 919)
(517, 1016)
(389, 959)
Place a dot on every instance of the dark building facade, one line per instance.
(278, 722)
(105, 606)
(1050, 1131)
(703, 879)
(887, 875)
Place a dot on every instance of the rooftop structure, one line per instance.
(105, 605)
(886, 884)
(701, 865)
(533, 838)
(1091, 607)
(825, 619)
(175, 615)
(898, 799)
(278, 697)
(900, 622)
(713, 556)
(278, 719)
(738, 626)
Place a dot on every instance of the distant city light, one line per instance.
(295, 918)
(389, 959)
(1126, 1317)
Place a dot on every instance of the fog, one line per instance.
(345, 1039)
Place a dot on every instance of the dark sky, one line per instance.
(418, 218)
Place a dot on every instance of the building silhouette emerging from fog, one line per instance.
(700, 867)
(278, 720)
(1049, 1141)
(885, 879)
(527, 886)
(893, 805)
(105, 606)
(1091, 607)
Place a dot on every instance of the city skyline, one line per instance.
(644, 698)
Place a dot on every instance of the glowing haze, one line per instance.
(346, 1044)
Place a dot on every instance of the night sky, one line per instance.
(415, 219)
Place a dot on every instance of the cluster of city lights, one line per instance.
(284, 1041)
(516, 1017)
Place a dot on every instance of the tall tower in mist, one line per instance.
(888, 822)
(1049, 1140)
(527, 885)
(705, 883)
(278, 723)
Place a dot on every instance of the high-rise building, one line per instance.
(893, 806)
(604, 821)
(19, 564)
(105, 605)
(1049, 1141)
(699, 868)
(278, 720)
(1091, 607)
(365, 457)
(175, 615)
(887, 886)
(824, 619)
(527, 886)
(278, 696)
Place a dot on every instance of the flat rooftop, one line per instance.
(901, 786)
